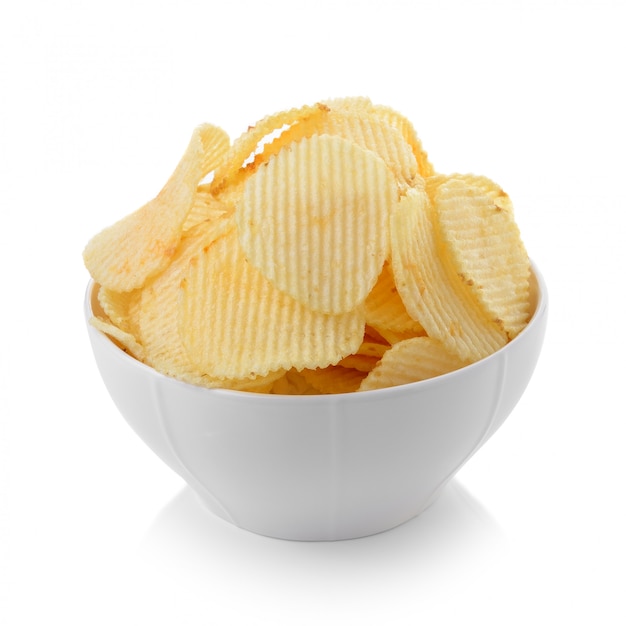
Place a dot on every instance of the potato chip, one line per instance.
(235, 324)
(359, 362)
(123, 256)
(384, 308)
(476, 226)
(367, 131)
(206, 207)
(235, 164)
(432, 294)
(121, 307)
(292, 383)
(125, 340)
(315, 221)
(158, 308)
(333, 379)
(406, 128)
(410, 361)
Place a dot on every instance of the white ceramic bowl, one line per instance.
(322, 467)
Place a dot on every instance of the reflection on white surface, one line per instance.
(455, 538)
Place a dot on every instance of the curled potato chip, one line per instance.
(363, 106)
(123, 256)
(367, 131)
(477, 229)
(235, 324)
(236, 165)
(384, 308)
(409, 361)
(122, 308)
(124, 339)
(432, 294)
(158, 308)
(315, 221)
(334, 379)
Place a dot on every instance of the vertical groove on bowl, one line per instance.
(335, 471)
(205, 495)
(486, 433)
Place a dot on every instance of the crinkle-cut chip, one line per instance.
(292, 383)
(433, 295)
(363, 105)
(359, 362)
(244, 147)
(334, 379)
(394, 336)
(121, 307)
(372, 348)
(315, 220)
(123, 256)
(477, 229)
(158, 308)
(367, 131)
(235, 324)
(124, 339)
(384, 307)
(410, 361)
(373, 133)
(206, 207)
(260, 384)
(406, 128)
(350, 103)
(371, 334)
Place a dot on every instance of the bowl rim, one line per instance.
(541, 307)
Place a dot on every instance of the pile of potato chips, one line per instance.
(319, 252)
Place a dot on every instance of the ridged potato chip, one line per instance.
(334, 379)
(240, 158)
(235, 324)
(367, 131)
(159, 330)
(315, 220)
(410, 361)
(476, 226)
(124, 339)
(319, 253)
(123, 256)
(432, 294)
(384, 308)
(121, 307)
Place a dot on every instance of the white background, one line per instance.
(97, 103)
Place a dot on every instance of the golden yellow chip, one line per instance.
(432, 294)
(122, 308)
(365, 107)
(359, 362)
(158, 308)
(406, 128)
(333, 379)
(410, 361)
(384, 308)
(206, 207)
(123, 256)
(240, 159)
(235, 324)
(367, 131)
(292, 383)
(315, 221)
(477, 229)
(124, 339)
